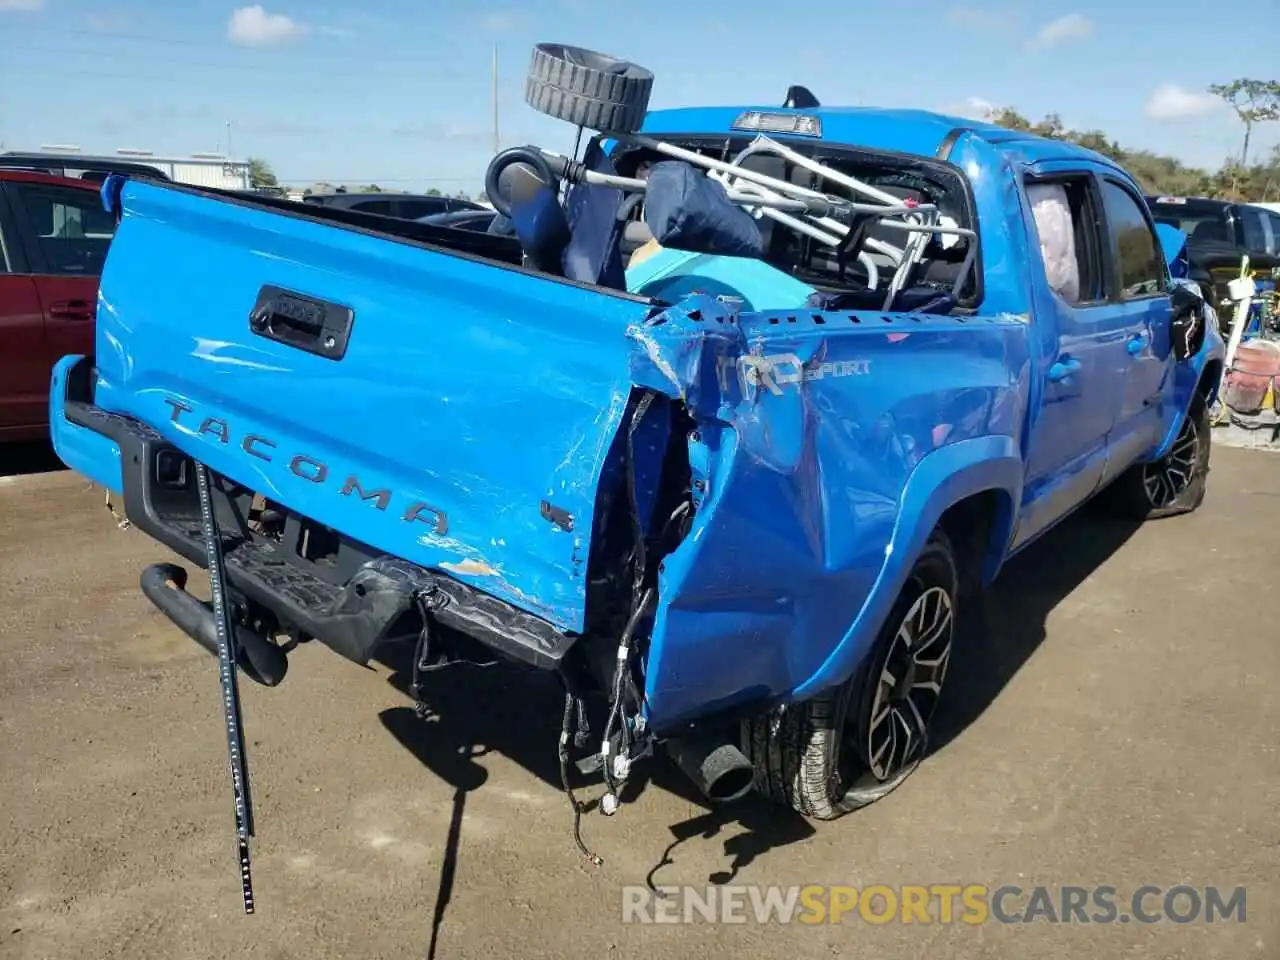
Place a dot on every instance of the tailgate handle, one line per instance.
(302, 322)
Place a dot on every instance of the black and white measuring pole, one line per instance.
(227, 656)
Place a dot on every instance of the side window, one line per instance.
(382, 207)
(5, 240)
(413, 209)
(70, 227)
(1261, 230)
(1140, 268)
(1065, 216)
(1252, 225)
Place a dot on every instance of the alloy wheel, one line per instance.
(1166, 479)
(909, 686)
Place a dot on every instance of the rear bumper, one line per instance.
(351, 601)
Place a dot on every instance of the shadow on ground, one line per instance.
(517, 711)
(1004, 627)
(28, 457)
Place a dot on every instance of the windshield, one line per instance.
(1202, 223)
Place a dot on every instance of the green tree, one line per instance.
(1254, 101)
(433, 192)
(1010, 119)
(1158, 174)
(261, 174)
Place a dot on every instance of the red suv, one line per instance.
(54, 235)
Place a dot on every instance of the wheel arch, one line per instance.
(979, 526)
(973, 484)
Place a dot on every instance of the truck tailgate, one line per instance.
(460, 420)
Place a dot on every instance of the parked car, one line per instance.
(734, 509)
(54, 235)
(1219, 234)
(405, 206)
(78, 168)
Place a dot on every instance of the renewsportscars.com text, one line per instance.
(969, 904)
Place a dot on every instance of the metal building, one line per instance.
(198, 169)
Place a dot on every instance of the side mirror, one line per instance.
(1187, 328)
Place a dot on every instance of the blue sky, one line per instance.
(398, 92)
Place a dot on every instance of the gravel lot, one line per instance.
(1117, 725)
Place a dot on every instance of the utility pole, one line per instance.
(496, 140)
(230, 154)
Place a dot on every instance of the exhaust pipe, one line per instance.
(717, 768)
(165, 585)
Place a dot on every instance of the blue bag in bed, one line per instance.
(687, 210)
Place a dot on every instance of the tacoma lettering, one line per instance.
(216, 427)
(310, 469)
(317, 472)
(381, 498)
(247, 446)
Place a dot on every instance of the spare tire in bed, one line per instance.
(588, 89)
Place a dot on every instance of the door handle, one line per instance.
(1064, 368)
(1137, 344)
(71, 310)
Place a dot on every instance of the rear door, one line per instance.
(24, 351)
(66, 234)
(1082, 335)
(1138, 287)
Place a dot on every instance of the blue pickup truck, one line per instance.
(732, 495)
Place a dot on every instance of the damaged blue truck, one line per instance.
(722, 422)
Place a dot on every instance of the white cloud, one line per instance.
(26, 6)
(1063, 30)
(971, 108)
(1171, 102)
(254, 27)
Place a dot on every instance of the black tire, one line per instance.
(588, 89)
(817, 756)
(1174, 484)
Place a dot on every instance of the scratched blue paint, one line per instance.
(804, 485)
(484, 391)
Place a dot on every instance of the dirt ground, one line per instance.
(1116, 725)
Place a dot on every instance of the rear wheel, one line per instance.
(840, 751)
(1174, 484)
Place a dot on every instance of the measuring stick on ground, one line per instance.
(227, 655)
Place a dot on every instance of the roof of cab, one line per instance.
(919, 132)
